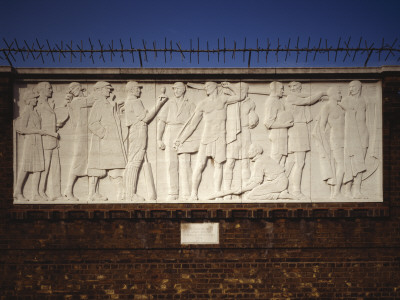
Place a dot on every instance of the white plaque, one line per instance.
(200, 233)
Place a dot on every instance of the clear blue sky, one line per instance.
(181, 21)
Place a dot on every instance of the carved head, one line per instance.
(75, 89)
(355, 88)
(134, 88)
(276, 88)
(179, 89)
(44, 89)
(210, 87)
(334, 94)
(103, 88)
(295, 87)
(255, 150)
(30, 98)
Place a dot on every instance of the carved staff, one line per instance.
(148, 176)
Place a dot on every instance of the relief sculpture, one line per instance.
(329, 135)
(78, 112)
(298, 135)
(32, 158)
(97, 142)
(136, 120)
(277, 121)
(106, 149)
(213, 109)
(356, 137)
(45, 110)
(241, 117)
(171, 119)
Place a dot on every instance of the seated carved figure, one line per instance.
(268, 180)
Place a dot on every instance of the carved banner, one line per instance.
(191, 142)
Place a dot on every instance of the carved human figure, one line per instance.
(329, 134)
(213, 109)
(241, 117)
(106, 149)
(268, 180)
(356, 138)
(32, 157)
(136, 120)
(277, 121)
(298, 135)
(50, 142)
(175, 113)
(78, 110)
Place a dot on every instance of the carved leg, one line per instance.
(69, 189)
(18, 186)
(173, 173)
(217, 177)
(357, 182)
(45, 174)
(35, 186)
(200, 165)
(92, 186)
(339, 165)
(245, 169)
(228, 175)
(357, 187)
(297, 174)
(56, 175)
(347, 189)
(131, 178)
(94, 194)
(121, 190)
(185, 173)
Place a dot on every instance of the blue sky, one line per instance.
(181, 21)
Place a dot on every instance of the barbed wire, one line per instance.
(14, 51)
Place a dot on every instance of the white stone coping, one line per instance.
(199, 71)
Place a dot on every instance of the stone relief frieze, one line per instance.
(190, 142)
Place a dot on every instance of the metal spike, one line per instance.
(319, 47)
(145, 50)
(248, 63)
(218, 50)
(244, 49)
(337, 48)
(122, 50)
(287, 50)
(190, 53)
(165, 50)
(9, 50)
(180, 49)
(155, 51)
(91, 51)
(131, 44)
(20, 51)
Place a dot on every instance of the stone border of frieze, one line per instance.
(140, 104)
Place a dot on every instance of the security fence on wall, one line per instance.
(261, 53)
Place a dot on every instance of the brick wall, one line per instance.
(281, 251)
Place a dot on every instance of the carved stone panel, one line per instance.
(197, 142)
